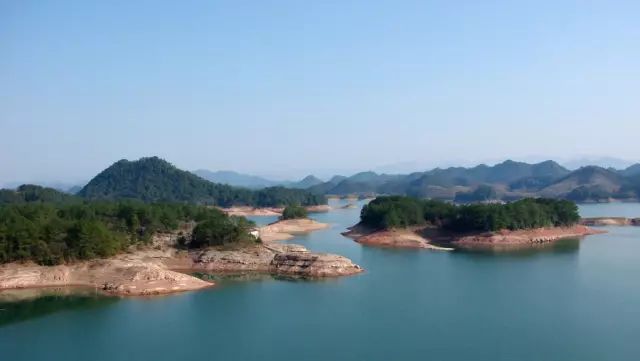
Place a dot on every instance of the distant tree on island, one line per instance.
(294, 212)
(400, 212)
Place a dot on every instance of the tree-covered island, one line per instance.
(404, 222)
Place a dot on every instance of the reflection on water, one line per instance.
(568, 245)
(21, 305)
(231, 277)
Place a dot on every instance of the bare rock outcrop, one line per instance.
(308, 264)
(279, 259)
(116, 276)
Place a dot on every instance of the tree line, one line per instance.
(54, 233)
(400, 212)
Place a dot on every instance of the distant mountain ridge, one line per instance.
(153, 179)
(235, 179)
(507, 180)
(253, 182)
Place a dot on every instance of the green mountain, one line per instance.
(153, 179)
(587, 183)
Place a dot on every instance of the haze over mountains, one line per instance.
(507, 180)
(253, 182)
(153, 179)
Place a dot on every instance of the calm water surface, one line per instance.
(574, 300)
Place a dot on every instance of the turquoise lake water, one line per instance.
(573, 300)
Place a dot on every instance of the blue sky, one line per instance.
(282, 88)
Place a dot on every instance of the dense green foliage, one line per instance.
(155, 180)
(397, 212)
(280, 196)
(294, 212)
(29, 193)
(56, 233)
(221, 231)
(392, 212)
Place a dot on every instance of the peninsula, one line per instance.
(134, 248)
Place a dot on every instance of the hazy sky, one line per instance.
(284, 87)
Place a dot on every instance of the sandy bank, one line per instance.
(284, 230)
(270, 211)
(397, 238)
(610, 221)
(250, 211)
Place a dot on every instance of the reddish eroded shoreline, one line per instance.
(433, 238)
(528, 236)
(395, 238)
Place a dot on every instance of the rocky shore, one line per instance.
(272, 258)
(162, 269)
(610, 221)
(115, 276)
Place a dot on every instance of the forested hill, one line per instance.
(29, 193)
(153, 179)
